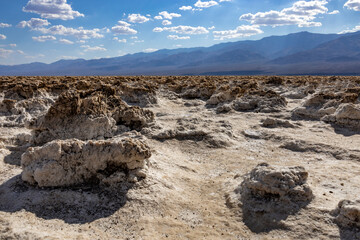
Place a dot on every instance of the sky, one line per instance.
(50, 30)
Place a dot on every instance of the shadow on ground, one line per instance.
(344, 131)
(264, 215)
(14, 158)
(349, 233)
(77, 205)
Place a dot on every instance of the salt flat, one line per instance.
(180, 157)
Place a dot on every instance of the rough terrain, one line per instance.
(180, 157)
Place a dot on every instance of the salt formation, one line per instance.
(341, 108)
(15, 111)
(73, 162)
(287, 185)
(213, 134)
(348, 214)
(260, 101)
(88, 115)
(67, 158)
(274, 123)
(257, 101)
(269, 194)
(347, 115)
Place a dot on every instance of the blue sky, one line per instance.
(50, 30)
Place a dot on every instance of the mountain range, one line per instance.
(302, 53)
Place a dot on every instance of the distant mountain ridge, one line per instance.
(302, 53)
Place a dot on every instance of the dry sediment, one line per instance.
(74, 162)
(160, 153)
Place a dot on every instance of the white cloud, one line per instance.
(158, 17)
(44, 38)
(5, 25)
(176, 37)
(310, 24)
(4, 53)
(239, 32)
(170, 16)
(183, 30)
(355, 29)
(304, 8)
(66, 41)
(186, 8)
(123, 24)
(12, 45)
(34, 23)
(123, 28)
(211, 28)
(301, 13)
(166, 22)
(353, 5)
(93, 49)
(52, 9)
(120, 40)
(137, 18)
(225, 0)
(79, 33)
(205, 4)
(334, 12)
(20, 52)
(2, 37)
(149, 50)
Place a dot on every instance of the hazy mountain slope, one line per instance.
(343, 49)
(297, 53)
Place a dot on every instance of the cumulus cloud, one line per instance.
(44, 38)
(79, 33)
(66, 41)
(5, 25)
(353, 5)
(123, 28)
(183, 30)
(239, 32)
(166, 15)
(355, 29)
(137, 18)
(176, 37)
(52, 9)
(2, 37)
(334, 12)
(186, 8)
(88, 48)
(166, 22)
(34, 23)
(205, 4)
(301, 13)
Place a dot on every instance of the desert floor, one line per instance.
(205, 136)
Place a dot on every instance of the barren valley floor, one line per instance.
(180, 157)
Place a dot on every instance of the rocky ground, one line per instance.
(179, 157)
